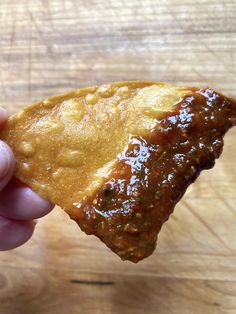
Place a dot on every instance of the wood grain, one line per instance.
(50, 47)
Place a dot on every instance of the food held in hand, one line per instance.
(119, 157)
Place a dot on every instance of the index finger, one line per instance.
(6, 156)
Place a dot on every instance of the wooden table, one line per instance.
(50, 47)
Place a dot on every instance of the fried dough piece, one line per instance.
(119, 157)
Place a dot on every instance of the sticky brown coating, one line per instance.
(153, 172)
(145, 156)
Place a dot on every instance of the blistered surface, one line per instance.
(66, 145)
(119, 157)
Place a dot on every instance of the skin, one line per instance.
(19, 205)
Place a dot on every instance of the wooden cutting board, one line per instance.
(50, 47)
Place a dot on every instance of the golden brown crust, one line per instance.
(80, 150)
(65, 145)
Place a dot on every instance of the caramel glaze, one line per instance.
(153, 172)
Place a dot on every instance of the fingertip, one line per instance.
(7, 164)
(18, 201)
(39, 206)
(14, 233)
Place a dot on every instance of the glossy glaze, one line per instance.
(152, 174)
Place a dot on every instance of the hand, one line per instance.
(19, 205)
